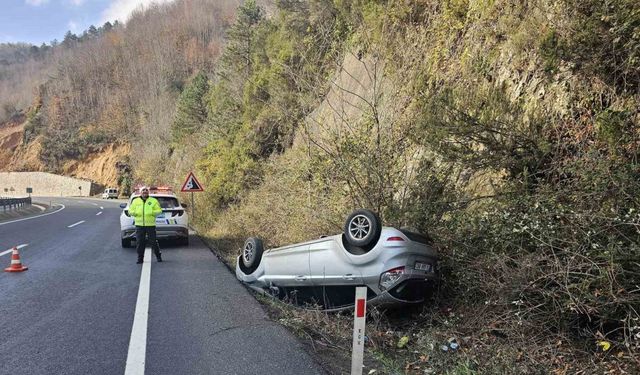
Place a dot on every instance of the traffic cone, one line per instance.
(16, 265)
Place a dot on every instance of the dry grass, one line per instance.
(490, 341)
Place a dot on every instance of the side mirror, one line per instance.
(123, 205)
(184, 205)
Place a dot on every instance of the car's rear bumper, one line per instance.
(409, 291)
(162, 232)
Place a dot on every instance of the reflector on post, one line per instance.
(359, 319)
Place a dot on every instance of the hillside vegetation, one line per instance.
(111, 84)
(508, 131)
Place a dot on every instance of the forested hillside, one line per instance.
(111, 85)
(507, 131)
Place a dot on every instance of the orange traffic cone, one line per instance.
(16, 265)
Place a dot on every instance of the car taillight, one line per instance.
(395, 238)
(390, 277)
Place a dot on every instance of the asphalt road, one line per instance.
(73, 311)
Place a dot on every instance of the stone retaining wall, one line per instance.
(45, 184)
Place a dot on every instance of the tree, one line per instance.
(70, 39)
(241, 38)
(191, 111)
(107, 27)
(93, 32)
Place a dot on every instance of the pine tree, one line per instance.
(191, 111)
(93, 32)
(241, 38)
(70, 39)
(107, 27)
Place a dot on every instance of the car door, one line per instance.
(330, 265)
(288, 266)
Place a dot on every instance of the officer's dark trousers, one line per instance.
(141, 240)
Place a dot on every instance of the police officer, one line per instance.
(144, 210)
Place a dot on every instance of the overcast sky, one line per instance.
(38, 21)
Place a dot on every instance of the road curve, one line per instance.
(72, 312)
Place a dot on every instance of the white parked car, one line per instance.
(172, 223)
(110, 193)
(397, 266)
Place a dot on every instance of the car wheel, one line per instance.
(126, 242)
(362, 229)
(252, 253)
(184, 241)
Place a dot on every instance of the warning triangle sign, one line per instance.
(191, 184)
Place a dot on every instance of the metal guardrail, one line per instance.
(9, 204)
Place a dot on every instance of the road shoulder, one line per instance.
(201, 318)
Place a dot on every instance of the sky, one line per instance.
(41, 21)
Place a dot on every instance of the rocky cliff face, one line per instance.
(18, 156)
(11, 135)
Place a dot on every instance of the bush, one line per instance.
(605, 40)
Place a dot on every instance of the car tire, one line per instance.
(126, 243)
(362, 229)
(183, 241)
(251, 254)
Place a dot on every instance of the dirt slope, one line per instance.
(10, 137)
(99, 167)
(16, 156)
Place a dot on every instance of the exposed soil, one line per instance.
(99, 167)
(16, 156)
(10, 138)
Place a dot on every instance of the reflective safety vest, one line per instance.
(144, 212)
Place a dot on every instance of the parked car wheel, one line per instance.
(362, 229)
(252, 253)
(126, 243)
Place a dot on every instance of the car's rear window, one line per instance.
(165, 202)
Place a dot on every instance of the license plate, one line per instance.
(426, 267)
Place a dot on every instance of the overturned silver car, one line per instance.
(397, 266)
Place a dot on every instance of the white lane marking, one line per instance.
(95, 204)
(73, 225)
(10, 250)
(34, 217)
(138, 342)
(102, 208)
(99, 213)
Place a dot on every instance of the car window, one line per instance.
(168, 202)
(165, 202)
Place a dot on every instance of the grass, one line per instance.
(487, 346)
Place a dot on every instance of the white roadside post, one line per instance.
(359, 316)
